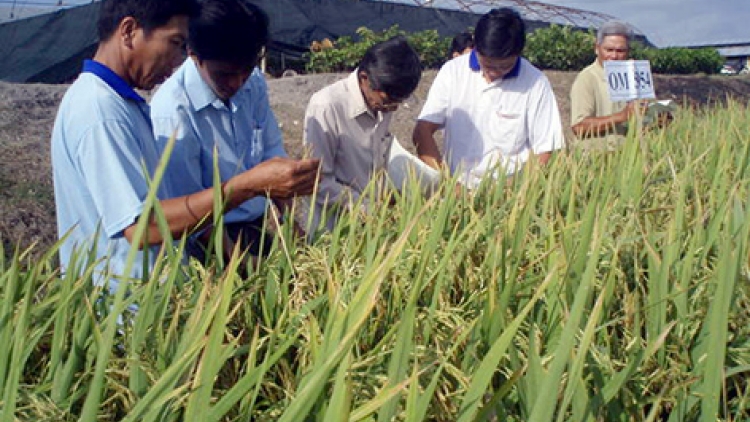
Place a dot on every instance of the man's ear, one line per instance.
(193, 55)
(362, 76)
(127, 30)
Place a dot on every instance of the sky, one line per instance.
(677, 22)
(665, 22)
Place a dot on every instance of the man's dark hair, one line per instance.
(392, 67)
(500, 33)
(149, 14)
(233, 31)
(461, 42)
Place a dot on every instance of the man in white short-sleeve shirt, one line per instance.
(496, 108)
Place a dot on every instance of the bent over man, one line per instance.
(103, 149)
(347, 124)
(217, 105)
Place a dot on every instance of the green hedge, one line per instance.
(676, 60)
(564, 48)
(560, 48)
(555, 47)
(347, 52)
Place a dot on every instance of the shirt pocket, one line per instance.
(256, 143)
(507, 130)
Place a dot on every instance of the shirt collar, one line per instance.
(200, 94)
(474, 65)
(357, 105)
(112, 79)
(598, 69)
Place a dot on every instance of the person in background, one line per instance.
(462, 44)
(347, 125)
(217, 105)
(497, 110)
(592, 112)
(104, 154)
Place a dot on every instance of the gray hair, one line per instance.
(614, 28)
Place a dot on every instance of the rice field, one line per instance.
(608, 286)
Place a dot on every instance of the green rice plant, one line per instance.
(605, 286)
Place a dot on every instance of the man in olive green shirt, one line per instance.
(593, 114)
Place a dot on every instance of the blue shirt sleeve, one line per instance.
(184, 174)
(114, 173)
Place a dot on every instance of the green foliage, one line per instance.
(347, 52)
(674, 60)
(431, 47)
(560, 47)
(557, 47)
(566, 48)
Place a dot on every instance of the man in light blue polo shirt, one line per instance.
(103, 148)
(216, 103)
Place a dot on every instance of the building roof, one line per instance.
(530, 10)
(727, 48)
(735, 51)
(50, 47)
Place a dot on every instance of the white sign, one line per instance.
(629, 79)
